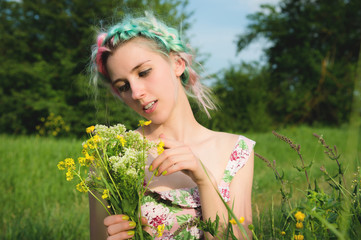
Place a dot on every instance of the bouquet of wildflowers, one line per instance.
(116, 161)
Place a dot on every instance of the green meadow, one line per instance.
(38, 203)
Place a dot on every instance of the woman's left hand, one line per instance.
(178, 156)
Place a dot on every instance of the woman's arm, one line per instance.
(241, 191)
(240, 199)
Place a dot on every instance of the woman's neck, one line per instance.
(181, 125)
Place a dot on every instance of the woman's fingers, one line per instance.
(121, 235)
(171, 157)
(113, 219)
(119, 227)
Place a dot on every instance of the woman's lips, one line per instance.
(150, 107)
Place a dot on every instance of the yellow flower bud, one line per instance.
(300, 216)
(299, 225)
(160, 148)
(90, 129)
(232, 221)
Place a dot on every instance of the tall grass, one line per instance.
(265, 185)
(37, 202)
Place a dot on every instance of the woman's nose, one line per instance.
(138, 90)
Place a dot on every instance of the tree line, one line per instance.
(309, 77)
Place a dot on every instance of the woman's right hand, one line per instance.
(119, 227)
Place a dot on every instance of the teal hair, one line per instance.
(166, 39)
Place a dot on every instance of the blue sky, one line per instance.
(214, 30)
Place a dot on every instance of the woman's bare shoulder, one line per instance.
(224, 138)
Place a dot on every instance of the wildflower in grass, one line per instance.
(105, 194)
(160, 230)
(299, 237)
(299, 225)
(90, 129)
(300, 216)
(232, 221)
(283, 233)
(144, 123)
(160, 148)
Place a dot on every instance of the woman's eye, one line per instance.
(145, 73)
(123, 88)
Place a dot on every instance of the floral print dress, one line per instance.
(176, 209)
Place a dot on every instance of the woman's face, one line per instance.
(147, 81)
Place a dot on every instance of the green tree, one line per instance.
(242, 99)
(312, 57)
(45, 48)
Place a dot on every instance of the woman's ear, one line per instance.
(178, 64)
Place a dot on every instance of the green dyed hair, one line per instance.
(166, 39)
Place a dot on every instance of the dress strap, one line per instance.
(237, 160)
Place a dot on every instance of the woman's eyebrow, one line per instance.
(135, 68)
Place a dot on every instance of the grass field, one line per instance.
(37, 202)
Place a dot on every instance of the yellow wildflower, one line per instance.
(89, 157)
(105, 194)
(232, 221)
(160, 148)
(160, 230)
(69, 163)
(283, 233)
(299, 237)
(61, 165)
(299, 225)
(144, 123)
(300, 216)
(90, 129)
(81, 187)
(85, 146)
(96, 138)
(82, 160)
(122, 140)
(69, 175)
(241, 219)
(90, 145)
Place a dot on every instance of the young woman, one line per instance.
(147, 65)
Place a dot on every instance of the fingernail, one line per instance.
(130, 233)
(124, 217)
(151, 168)
(132, 224)
(164, 173)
